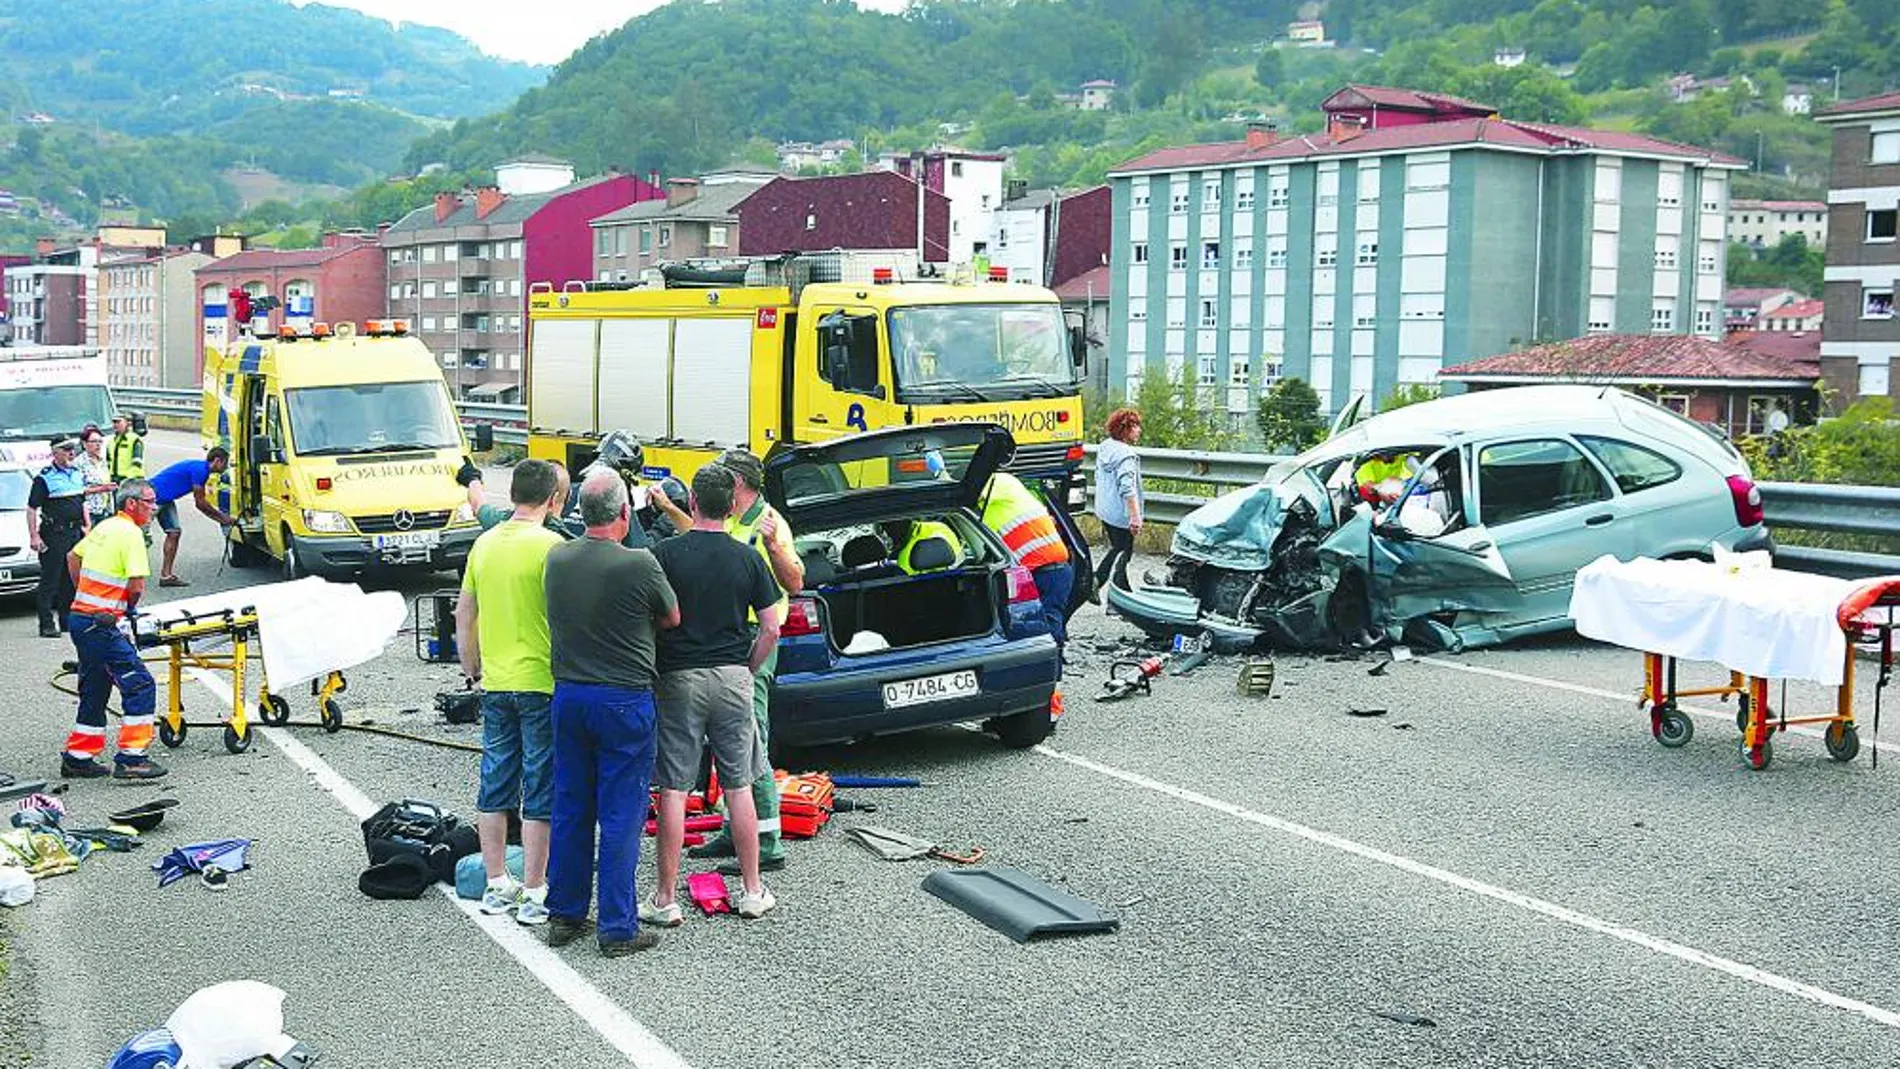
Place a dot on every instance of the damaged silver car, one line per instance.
(1452, 524)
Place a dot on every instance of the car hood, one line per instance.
(1238, 529)
(885, 474)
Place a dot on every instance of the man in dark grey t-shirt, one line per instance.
(605, 605)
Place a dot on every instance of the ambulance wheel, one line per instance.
(330, 714)
(1758, 756)
(242, 555)
(1674, 728)
(235, 742)
(293, 568)
(1020, 731)
(1843, 741)
(274, 711)
(172, 737)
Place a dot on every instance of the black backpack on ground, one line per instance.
(421, 828)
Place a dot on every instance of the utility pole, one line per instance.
(1837, 85)
(1758, 134)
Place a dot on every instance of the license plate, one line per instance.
(5, 574)
(930, 689)
(407, 540)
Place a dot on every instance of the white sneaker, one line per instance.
(533, 907)
(752, 907)
(500, 898)
(667, 916)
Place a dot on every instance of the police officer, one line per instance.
(126, 455)
(56, 517)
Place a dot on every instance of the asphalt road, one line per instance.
(1502, 869)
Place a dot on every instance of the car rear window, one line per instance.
(1633, 467)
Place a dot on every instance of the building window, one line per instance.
(1881, 225)
(1140, 252)
(646, 236)
(1328, 200)
(716, 237)
(1243, 198)
(1662, 317)
(1326, 257)
(395, 292)
(1177, 257)
(1276, 255)
(428, 254)
(1706, 263)
(811, 222)
(1368, 254)
(1666, 258)
(428, 322)
(428, 288)
(395, 256)
(1876, 303)
(1139, 198)
(666, 235)
(1243, 255)
(1705, 321)
(620, 241)
(1210, 254)
(1886, 147)
(1137, 309)
(1364, 313)
(1276, 196)
(1209, 369)
(1177, 202)
(1210, 313)
(956, 168)
(1210, 193)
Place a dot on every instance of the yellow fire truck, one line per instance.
(754, 354)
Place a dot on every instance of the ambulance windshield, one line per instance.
(980, 352)
(29, 412)
(371, 417)
(14, 485)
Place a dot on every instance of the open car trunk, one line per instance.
(912, 610)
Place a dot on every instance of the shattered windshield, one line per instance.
(372, 417)
(980, 352)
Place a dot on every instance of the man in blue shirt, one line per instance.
(186, 477)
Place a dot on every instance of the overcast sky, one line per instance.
(545, 31)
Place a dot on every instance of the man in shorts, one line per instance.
(705, 688)
(186, 478)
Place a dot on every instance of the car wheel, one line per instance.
(293, 568)
(242, 555)
(1020, 731)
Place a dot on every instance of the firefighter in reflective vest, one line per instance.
(916, 556)
(1027, 528)
(127, 454)
(108, 568)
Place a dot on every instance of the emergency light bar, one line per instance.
(380, 328)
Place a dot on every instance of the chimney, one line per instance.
(45, 246)
(487, 199)
(445, 205)
(653, 179)
(681, 191)
(1346, 127)
(1261, 134)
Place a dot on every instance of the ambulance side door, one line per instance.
(842, 384)
(276, 494)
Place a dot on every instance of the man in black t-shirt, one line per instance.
(705, 688)
(605, 604)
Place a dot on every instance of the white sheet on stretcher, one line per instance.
(308, 628)
(1764, 622)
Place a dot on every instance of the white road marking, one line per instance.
(1669, 948)
(619, 1028)
(1628, 697)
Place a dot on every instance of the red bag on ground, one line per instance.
(804, 803)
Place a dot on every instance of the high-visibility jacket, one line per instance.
(127, 456)
(1024, 523)
(920, 532)
(110, 557)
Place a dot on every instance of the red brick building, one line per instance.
(1731, 386)
(872, 211)
(340, 281)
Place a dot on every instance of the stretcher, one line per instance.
(307, 631)
(1762, 624)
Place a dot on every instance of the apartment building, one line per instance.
(340, 281)
(149, 325)
(698, 218)
(973, 183)
(1047, 238)
(460, 269)
(1417, 230)
(1763, 223)
(872, 212)
(1860, 335)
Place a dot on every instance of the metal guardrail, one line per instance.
(509, 421)
(1818, 507)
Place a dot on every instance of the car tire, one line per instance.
(242, 554)
(293, 567)
(1020, 731)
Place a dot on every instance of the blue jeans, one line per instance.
(1054, 584)
(604, 740)
(517, 754)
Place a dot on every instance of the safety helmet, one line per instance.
(621, 452)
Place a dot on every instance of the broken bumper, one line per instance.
(1164, 612)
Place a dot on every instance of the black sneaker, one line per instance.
(565, 930)
(620, 948)
(74, 768)
(767, 863)
(136, 768)
(48, 629)
(717, 846)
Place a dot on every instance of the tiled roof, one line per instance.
(1801, 347)
(1094, 283)
(1742, 296)
(714, 203)
(1777, 205)
(1610, 358)
(260, 258)
(1504, 133)
(1798, 310)
(536, 157)
(1411, 99)
(1883, 102)
(515, 208)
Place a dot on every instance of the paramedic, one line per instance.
(108, 568)
(1023, 522)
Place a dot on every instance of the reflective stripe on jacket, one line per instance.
(1024, 523)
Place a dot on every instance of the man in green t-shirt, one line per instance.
(489, 515)
(501, 628)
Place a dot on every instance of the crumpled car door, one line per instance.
(1460, 570)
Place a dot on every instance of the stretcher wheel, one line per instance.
(235, 742)
(330, 715)
(172, 737)
(1674, 728)
(1843, 741)
(1758, 756)
(274, 711)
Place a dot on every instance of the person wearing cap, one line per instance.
(126, 458)
(56, 520)
(759, 526)
(108, 569)
(187, 477)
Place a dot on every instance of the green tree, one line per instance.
(1174, 415)
(1289, 416)
(1408, 393)
(1269, 70)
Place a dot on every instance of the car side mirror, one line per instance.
(481, 437)
(1079, 347)
(838, 364)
